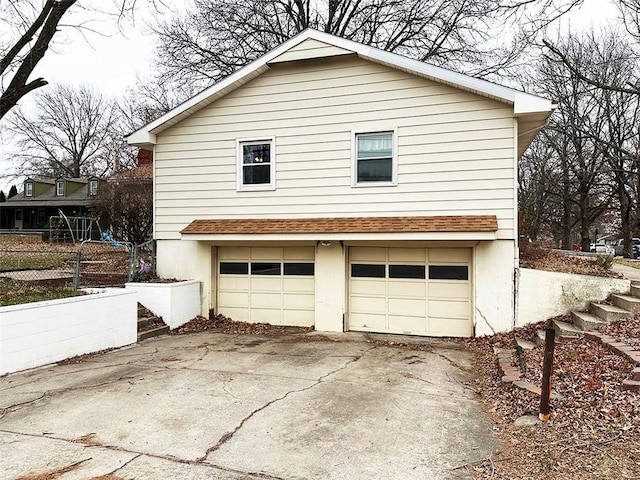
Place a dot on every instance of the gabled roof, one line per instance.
(523, 103)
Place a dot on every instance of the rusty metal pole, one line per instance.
(547, 366)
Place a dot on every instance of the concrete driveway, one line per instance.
(209, 405)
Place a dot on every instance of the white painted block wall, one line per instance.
(39, 333)
(176, 303)
(543, 295)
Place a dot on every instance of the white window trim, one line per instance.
(91, 192)
(58, 183)
(354, 161)
(28, 192)
(240, 187)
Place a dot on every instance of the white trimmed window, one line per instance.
(60, 188)
(28, 189)
(93, 187)
(375, 159)
(256, 164)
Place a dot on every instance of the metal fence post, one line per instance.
(76, 275)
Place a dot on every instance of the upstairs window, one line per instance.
(256, 164)
(93, 187)
(28, 189)
(60, 188)
(374, 158)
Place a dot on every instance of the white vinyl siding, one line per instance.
(455, 149)
(310, 48)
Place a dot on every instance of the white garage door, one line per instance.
(414, 291)
(267, 285)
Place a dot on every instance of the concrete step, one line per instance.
(609, 313)
(635, 290)
(154, 332)
(145, 322)
(524, 344)
(586, 321)
(564, 329)
(635, 375)
(540, 337)
(627, 302)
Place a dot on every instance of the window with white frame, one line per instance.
(28, 189)
(374, 158)
(256, 164)
(60, 188)
(93, 187)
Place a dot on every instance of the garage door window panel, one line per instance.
(234, 268)
(407, 271)
(448, 272)
(265, 268)
(363, 270)
(300, 269)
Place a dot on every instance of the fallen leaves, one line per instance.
(594, 433)
(542, 258)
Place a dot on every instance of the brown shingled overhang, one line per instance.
(462, 223)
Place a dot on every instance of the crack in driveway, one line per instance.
(227, 436)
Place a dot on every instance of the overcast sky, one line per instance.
(111, 62)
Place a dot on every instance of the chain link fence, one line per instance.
(92, 263)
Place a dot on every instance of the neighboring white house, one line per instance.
(333, 184)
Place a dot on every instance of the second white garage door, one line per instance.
(267, 285)
(414, 291)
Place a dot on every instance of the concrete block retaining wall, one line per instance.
(39, 333)
(542, 295)
(176, 303)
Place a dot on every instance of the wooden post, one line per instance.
(547, 366)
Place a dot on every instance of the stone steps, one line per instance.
(149, 325)
(635, 290)
(586, 321)
(154, 332)
(608, 313)
(564, 329)
(627, 302)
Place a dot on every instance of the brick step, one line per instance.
(586, 321)
(564, 329)
(608, 313)
(635, 290)
(627, 302)
(155, 332)
(145, 322)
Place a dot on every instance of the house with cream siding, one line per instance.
(335, 185)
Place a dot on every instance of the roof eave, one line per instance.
(378, 236)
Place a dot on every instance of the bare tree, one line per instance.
(36, 29)
(215, 38)
(28, 28)
(74, 133)
(594, 135)
(126, 206)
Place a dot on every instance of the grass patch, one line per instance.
(13, 261)
(628, 262)
(16, 293)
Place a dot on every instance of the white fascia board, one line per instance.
(284, 237)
